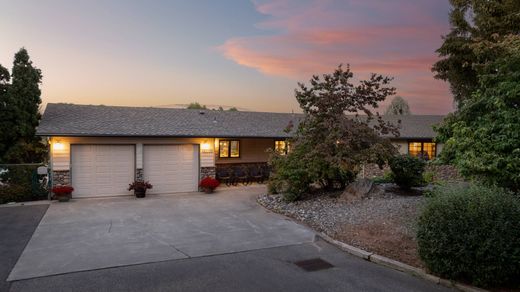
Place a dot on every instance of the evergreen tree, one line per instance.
(196, 105)
(473, 21)
(20, 113)
(6, 120)
(398, 107)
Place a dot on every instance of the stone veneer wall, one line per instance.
(208, 171)
(139, 174)
(60, 177)
(440, 172)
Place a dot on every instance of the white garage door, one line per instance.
(102, 170)
(171, 168)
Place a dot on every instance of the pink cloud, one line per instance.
(312, 37)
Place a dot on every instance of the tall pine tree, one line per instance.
(20, 112)
(472, 22)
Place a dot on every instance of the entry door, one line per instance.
(102, 170)
(171, 168)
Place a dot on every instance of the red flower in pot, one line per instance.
(63, 193)
(209, 184)
(139, 188)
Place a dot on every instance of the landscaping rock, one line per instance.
(360, 189)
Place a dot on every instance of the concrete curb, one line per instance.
(384, 261)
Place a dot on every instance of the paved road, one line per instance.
(270, 269)
(17, 225)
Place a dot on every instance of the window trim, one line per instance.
(422, 147)
(229, 149)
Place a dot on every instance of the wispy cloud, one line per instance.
(396, 38)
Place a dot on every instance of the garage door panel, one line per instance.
(102, 170)
(171, 168)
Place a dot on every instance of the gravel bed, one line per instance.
(328, 214)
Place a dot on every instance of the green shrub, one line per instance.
(15, 193)
(386, 178)
(19, 183)
(471, 233)
(407, 170)
(429, 177)
(289, 177)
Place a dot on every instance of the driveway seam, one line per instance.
(162, 261)
(170, 245)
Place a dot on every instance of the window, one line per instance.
(229, 149)
(281, 147)
(425, 150)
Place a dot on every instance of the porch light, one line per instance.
(58, 146)
(205, 147)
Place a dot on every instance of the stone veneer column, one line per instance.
(61, 177)
(208, 171)
(139, 174)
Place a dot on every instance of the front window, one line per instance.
(281, 147)
(425, 150)
(229, 149)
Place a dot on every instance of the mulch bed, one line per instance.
(385, 224)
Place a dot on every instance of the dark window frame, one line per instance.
(422, 147)
(229, 149)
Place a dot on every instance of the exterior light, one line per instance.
(205, 147)
(58, 146)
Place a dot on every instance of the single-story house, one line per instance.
(99, 150)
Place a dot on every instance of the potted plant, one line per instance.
(62, 193)
(139, 188)
(209, 184)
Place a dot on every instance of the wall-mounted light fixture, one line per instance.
(205, 147)
(58, 146)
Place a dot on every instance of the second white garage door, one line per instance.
(171, 168)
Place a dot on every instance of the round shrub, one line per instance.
(472, 233)
(407, 170)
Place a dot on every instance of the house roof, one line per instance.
(61, 119)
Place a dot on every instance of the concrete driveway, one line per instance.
(92, 234)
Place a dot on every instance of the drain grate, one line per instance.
(314, 265)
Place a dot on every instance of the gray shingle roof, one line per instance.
(96, 120)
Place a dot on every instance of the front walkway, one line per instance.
(90, 234)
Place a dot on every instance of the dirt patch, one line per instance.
(384, 224)
(383, 238)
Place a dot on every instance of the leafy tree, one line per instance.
(330, 146)
(398, 107)
(473, 21)
(21, 100)
(233, 109)
(483, 137)
(196, 105)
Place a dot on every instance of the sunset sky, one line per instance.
(248, 54)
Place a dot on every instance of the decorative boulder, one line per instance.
(361, 189)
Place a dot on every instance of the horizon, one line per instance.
(248, 55)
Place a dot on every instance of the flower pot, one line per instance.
(63, 197)
(140, 193)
